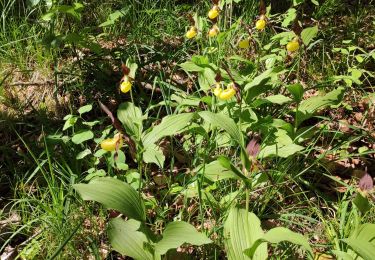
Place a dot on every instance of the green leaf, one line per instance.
(297, 2)
(308, 107)
(283, 145)
(152, 154)
(200, 60)
(289, 17)
(308, 34)
(260, 79)
(280, 151)
(278, 99)
(206, 79)
(85, 109)
(94, 174)
(126, 239)
(284, 37)
(190, 66)
(82, 136)
(114, 194)
(225, 162)
(362, 203)
(241, 230)
(132, 67)
(176, 234)
(70, 121)
(280, 234)
(367, 232)
(114, 17)
(224, 122)
(131, 117)
(83, 154)
(297, 91)
(362, 247)
(214, 171)
(342, 255)
(170, 125)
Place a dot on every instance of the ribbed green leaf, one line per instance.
(308, 107)
(362, 247)
(367, 232)
(178, 233)
(170, 125)
(241, 230)
(226, 163)
(297, 91)
(278, 99)
(308, 34)
(131, 118)
(114, 194)
(282, 151)
(342, 255)
(224, 122)
(126, 239)
(280, 234)
(152, 154)
(214, 171)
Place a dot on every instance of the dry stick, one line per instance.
(37, 83)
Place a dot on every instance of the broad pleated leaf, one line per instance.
(241, 230)
(278, 99)
(214, 171)
(170, 125)
(131, 118)
(280, 234)
(226, 163)
(367, 232)
(178, 233)
(282, 151)
(308, 107)
(224, 122)
(362, 241)
(114, 194)
(297, 91)
(152, 154)
(260, 79)
(342, 255)
(362, 247)
(126, 239)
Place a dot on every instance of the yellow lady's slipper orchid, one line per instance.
(126, 85)
(293, 46)
(192, 32)
(244, 44)
(261, 23)
(218, 89)
(111, 143)
(214, 12)
(213, 31)
(228, 93)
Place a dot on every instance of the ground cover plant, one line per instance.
(215, 129)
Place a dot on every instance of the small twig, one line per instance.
(37, 83)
